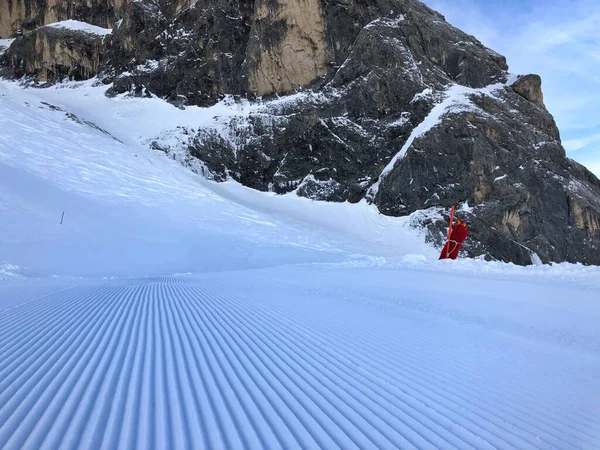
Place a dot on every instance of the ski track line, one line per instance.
(83, 398)
(31, 300)
(40, 341)
(203, 321)
(98, 414)
(286, 398)
(435, 345)
(355, 432)
(499, 396)
(14, 324)
(173, 366)
(418, 424)
(224, 403)
(276, 440)
(420, 364)
(214, 406)
(127, 414)
(256, 439)
(211, 423)
(34, 396)
(64, 306)
(382, 409)
(341, 376)
(184, 363)
(275, 338)
(281, 411)
(501, 333)
(81, 394)
(32, 356)
(236, 369)
(328, 346)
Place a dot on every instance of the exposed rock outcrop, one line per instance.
(288, 46)
(189, 55)
(52, 54)
(530, 87)
(391, 104)
(30, 14)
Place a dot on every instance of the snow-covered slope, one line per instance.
(239, 319)
(125, 205)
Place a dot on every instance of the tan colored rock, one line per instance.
(584, 218)
(14, 14)
(511, 218)
(6, 29)
(482, 187)
(51, 54)
(530, 87)
(288, 46)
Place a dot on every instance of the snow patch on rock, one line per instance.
(4, 45)
(76, 25)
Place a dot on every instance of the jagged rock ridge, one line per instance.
(390, 104)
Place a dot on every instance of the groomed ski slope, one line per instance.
(302, 357)
(168, 312)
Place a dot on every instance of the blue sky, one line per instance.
(557, 39)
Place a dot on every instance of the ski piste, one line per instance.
(169, 312)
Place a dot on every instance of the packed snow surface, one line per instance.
(170, 312)
(76, 25)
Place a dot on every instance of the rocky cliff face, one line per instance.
(52, 54)
(382, 101)
(30, 14)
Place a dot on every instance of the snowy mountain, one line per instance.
(151, 299)
(336, 101)
(172, 312)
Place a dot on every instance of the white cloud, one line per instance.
(572, 145)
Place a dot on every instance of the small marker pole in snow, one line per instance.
(450, 229)
(63, 216)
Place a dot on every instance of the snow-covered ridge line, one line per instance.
(85, 27)
(456, 99)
